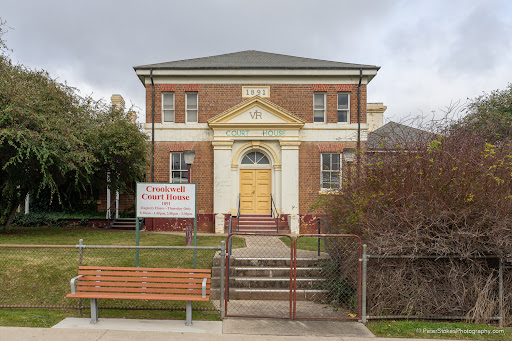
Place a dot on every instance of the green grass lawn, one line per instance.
(443, 330)
(306, 243)
(40, 276)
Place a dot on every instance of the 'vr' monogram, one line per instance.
(255, 114)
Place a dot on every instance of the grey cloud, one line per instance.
(96, 43)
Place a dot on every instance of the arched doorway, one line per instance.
(255, 183)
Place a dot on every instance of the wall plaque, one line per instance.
(251, 91)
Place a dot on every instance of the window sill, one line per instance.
(329, 191)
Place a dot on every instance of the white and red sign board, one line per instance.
(160, 200)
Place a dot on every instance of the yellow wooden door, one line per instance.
(255, 191)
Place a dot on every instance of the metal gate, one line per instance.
(327, 283)
(310, 276)
(259, 276)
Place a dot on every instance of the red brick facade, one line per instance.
(216, 98)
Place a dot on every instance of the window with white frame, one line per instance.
(168, 106)
(179, 172)
(344, 108)
(191, 104)
(319, 107)
(331, 171)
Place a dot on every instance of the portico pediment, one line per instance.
(256, 112)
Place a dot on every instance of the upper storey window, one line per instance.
(319, 107)
(168, 106)
(343, 107)
(191, 104)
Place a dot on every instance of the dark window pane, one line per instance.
(168, 115)
(176, 177)
(326, 177)
(191, 115)
(184, 177)
(318, 116)
(326, 161)
(318, 101)
(342, 101)
(176, 161)
(335, 162)
(191, 101)
(263, 160)
(342, 115)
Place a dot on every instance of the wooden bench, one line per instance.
(127, 283)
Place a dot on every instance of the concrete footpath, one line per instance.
(232, 329)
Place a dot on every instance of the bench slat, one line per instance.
(140, 279)
(138, 285)
(144, 274)
(161, 297)
(151, 290)
(88, 267)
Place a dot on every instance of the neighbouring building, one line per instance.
(270, 132)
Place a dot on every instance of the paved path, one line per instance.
(55, 334)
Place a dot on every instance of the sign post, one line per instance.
(165, 200)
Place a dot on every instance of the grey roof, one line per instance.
(254, 60)
(392, 134)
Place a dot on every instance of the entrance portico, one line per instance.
(254, 144)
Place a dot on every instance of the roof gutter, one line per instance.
(359, 122)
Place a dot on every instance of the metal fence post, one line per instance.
(318, 222)
(501, 323)
(363, 285)
(80, 259)
(222, 279)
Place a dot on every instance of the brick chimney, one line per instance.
(117, 101)
(375, 115)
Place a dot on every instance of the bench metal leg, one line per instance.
(189, 314)
(94, 310)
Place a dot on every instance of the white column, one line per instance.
(290, 183)
(278, 188)
(27, 204)
(234, 190)
(117, 204)
(108, 202)
(221, 179)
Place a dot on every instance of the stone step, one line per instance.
(260, 262)
(267, 272)
(270, 294)
(270, 283)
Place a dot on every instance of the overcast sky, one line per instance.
(430, 52)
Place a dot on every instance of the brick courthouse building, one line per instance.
(268, 131)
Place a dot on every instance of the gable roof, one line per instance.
(393, 134)
(252, 59)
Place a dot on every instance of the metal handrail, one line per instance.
(238, 216)
(273, 209)
(109, 213)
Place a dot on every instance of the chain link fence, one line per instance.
(328, 281)
(38, 276)
(259, 277)
(437, 288)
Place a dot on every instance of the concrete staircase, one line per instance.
(269, 279)
(258, 223)
(124, 224)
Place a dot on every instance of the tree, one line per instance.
(489, 115)
(51, 137)
(448, 195)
